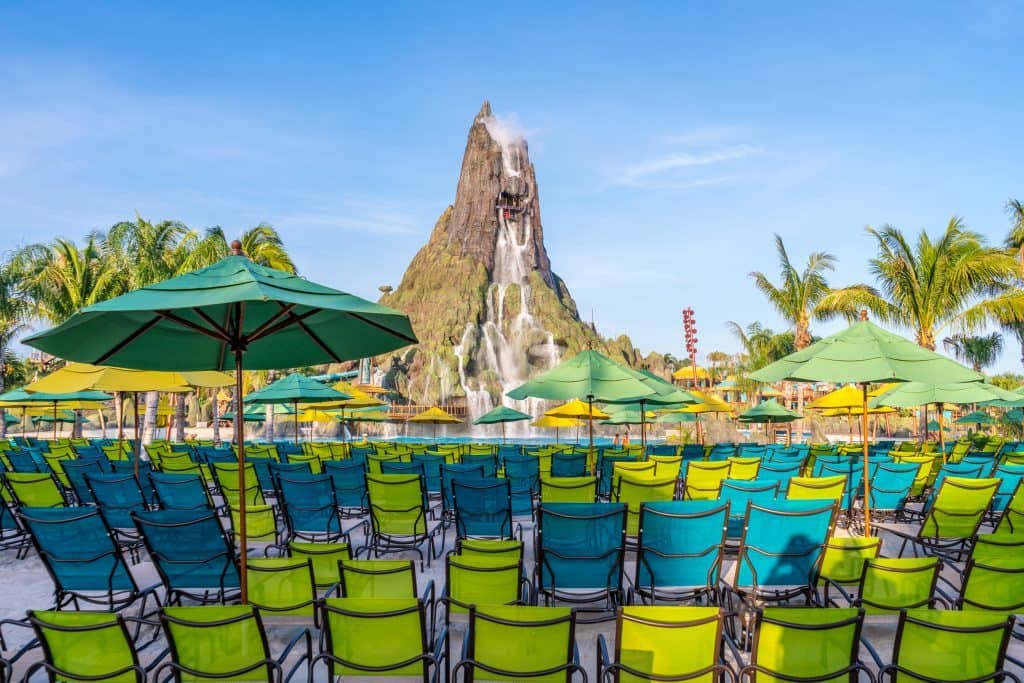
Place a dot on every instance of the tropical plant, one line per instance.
(262, 244)
(978, 351)
(761, 345)
(1007, 380)
(798, 296)
(954, 279)
(14, 312)
(1015, 240)
(718, 360)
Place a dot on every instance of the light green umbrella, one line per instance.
(665, 394)
(675, 417)
(587, 376)
(501, 415)
(769, 412)
(629, 416)
(864, 353)
(295, 388)
(232, 315)
(913, 394)
(978, 417)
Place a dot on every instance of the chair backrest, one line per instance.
(282, 586)
(817, 488)
(75, 470)
(86, 646)
(779, 471)
(891, 484)
(487, 460)
(180, 491)
(190, 550)
(680, 546)
(376, 637)
(78, 550)
(309, 506)
(348, 478)
(34, 489)
(324, 559)
(397, 504)
(844, 556)
(738, 493)
(509, 550)
(782, 543)
(117, 496)
(666, 643)
(1010, 477)
(482, 580)
(377, 578)
(744, 467)
(703, 479)
(581, 546)
(431, 465)
(519, 643)
(214, 640)
(958, 508)
(806, 644)
(312, 460)
(483, 507)
(951, 646)
(567, 464)
(636, 489)
(668, 464)
(450, 473)
(891, 584)
(568, 490)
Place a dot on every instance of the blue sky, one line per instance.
(670, 140)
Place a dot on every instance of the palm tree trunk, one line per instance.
(76, 426)
(179, 417)
(215, 416)
(149, 420)
(268, 424)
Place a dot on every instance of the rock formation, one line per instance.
(485, 304)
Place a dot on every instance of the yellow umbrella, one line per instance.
(849, 401)
(556, 423)
(359, 398)
(370, 389)
(771, 392)
(314, 415)
(709, 404)
(434, 416)
(577, 410)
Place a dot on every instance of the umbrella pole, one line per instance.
(942, 439)
(295, 407)
(502, 433)
(867, 468)
(54, 420)
(643, 426)
(590, 426)
(240, 438)
(135, 426)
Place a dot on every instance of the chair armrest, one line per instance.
(871, 651)
(734, 649)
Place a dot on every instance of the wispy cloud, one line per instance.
(675, 169)
(708, 135)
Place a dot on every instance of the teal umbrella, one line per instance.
(232, 315)
(587, 376)
(501, 415)
(864, 353)
(769, 412)
(294, 389)
(249, 415)
(978, 417)
(22, 398)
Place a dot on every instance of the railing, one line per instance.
(403, 412)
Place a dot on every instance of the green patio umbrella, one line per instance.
(665, 394)
(673, 417)
(248, 415)
(913, 394)
(628, 416)
(501, 415)
(28, 399)
(232, 315)
(934, 426)
(978, 417)
(769, 412)
(295, 388)
(587, 376)
(864, 353)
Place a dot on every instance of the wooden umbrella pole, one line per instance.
(135, 426)
(590, 425)
(240, 439)
(942, 439)
(867, 468)
(643, 425)
(54, 420)
(295, 408)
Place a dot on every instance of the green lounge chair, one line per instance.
(398, 516)
(324, 558)
(664, 644)
(568, 489)
(512, 642)
(86, 646)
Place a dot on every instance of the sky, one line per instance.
(670, 140)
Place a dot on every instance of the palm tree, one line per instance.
(1015, 240)
(14, 312)
(799, 295)
(934, 284)
(717, 359)
(61, 278)
(761, 345)
(977, 351)
(262, 244)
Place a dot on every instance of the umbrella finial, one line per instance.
(236, 248)
(863, 314)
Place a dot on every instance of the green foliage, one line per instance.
(1007, 380)
(977, 351)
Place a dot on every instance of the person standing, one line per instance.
(615, 441)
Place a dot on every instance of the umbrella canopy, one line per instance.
(551, 422)
(858, 411)
(83, 376)
(434, 415)
(629, 416)
(848, 396)
(708, 404)
(770, 392)
(912, 394)
(675, 416)
(665, 394)
(369, 415)
(22, 397)
(248, 415)
(769, 411)
(978, 417)
(933, 426)
(357, 398)
(10, 419)
(231, 315)
(865, 353)
(587, 375)
(295, 388)
(315, 415)
(686, 373)
(63, 416)
(501, 414)
(577, 410)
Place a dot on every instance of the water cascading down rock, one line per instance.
(485, 304)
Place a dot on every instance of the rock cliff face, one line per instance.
(485, 304)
